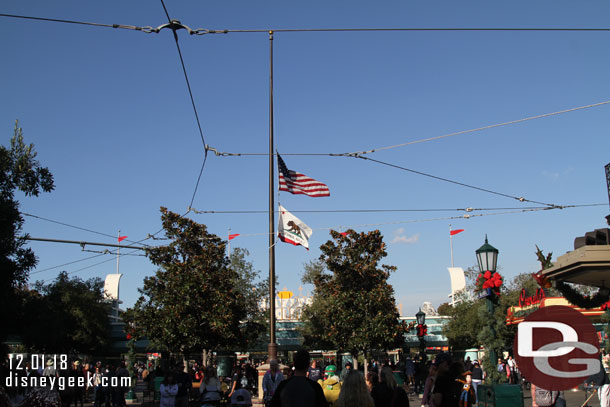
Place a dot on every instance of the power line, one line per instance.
(92, 265)
(76, 227)
(203, 31)
(520, 199)
(491, 126)
(67, 264)
(388, 210)
(175, 25)
(146, 29)
(83, 243)
(465, 216)
(485, 127)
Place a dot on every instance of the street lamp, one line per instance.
(487, 257)
(422, 330)
(420, 317)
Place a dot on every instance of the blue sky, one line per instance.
(109, 114)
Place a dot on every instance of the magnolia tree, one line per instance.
(353, 306)
(196, 301)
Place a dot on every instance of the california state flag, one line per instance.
(292, 229)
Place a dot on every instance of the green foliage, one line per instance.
(471, 324)
(353, 308)
(68, 315)
(462, 330)
(196, 300)
(19, 171)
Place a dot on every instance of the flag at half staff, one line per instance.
(292, 229)
(297, 183)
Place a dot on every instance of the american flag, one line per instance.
(297, 183)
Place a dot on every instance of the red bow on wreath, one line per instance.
(489, 280)
(492, 281)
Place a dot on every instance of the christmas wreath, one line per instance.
(583, 301)
(490, 282)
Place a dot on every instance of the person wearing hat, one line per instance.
(331, 385)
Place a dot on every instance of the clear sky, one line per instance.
(109, 114)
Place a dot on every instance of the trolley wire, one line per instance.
(146, 29)
(465, 216)
(66, 264)
(175, 25)
(76, 227)
(520, 198)
(458, 133)
(470, 209)
(204, 31)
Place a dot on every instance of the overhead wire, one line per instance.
(520, 199)
(458, 133)
(147, 29)
(76, 227)
(465, 216)
(173, 27)
(90, 266)
(203, 31)
(540, 116)
(387, 210)
(66, 264)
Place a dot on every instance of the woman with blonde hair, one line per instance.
(354, 391)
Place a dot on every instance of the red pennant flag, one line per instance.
(233, 236)
(121, 238)
(455, 232)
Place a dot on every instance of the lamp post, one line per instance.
(420, 317)
(487, 257)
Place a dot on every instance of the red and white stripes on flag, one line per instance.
(297, 183)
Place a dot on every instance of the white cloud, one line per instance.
(552, 176)
(404, 239)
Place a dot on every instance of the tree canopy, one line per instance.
(196, 301)
(19, 171)
(66, 316)
(353, 307)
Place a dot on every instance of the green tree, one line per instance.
(353, 308)
(68, 315)
(468, 327)
(464, 326)
(19, 171)
(195, 301)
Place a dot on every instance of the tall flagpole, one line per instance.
(272, 347)
(451, 244)
(118, 252)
